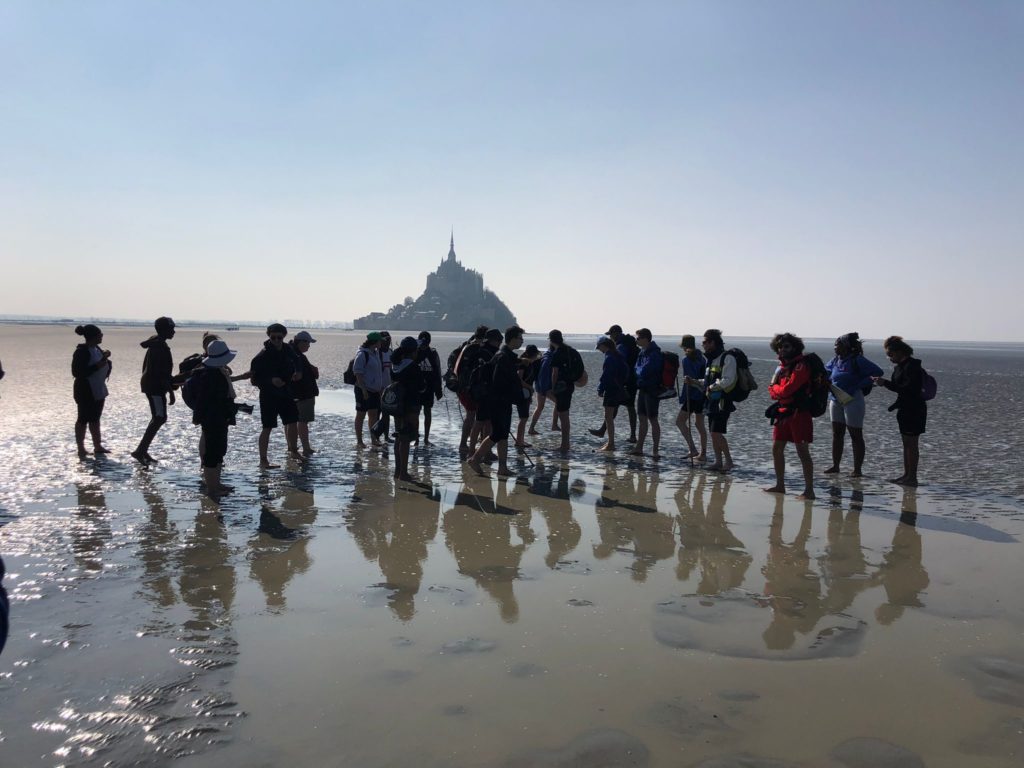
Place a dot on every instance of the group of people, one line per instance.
(494, 381)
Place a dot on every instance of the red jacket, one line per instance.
(792, 383)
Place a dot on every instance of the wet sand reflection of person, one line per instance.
(157, 539)
(274, 559)
(843, 565)
(553, 500)
(792, 589)
(902, 573)
(403, 550)
(90, 529)
(206, 576)
(706, 541)
(480, 539)
(631, 523)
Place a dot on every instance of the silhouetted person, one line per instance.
(505, 391)
(305, 389)
(907, 382)
(157, 383)
(273, 370)
(430, 365)
(852, 373)
(90, 367)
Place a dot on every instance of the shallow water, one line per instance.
(592, 612)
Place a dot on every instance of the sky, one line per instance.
(756, 167)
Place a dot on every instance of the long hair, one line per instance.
(897, 344)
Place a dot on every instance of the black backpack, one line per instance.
(815, 399)
(575, 370)
(192, 389)
(451, 378)
(745, 382)
(349, 376)
(481, 378)
(189, 364)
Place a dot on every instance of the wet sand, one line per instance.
(594, 611)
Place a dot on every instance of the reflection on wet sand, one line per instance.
(157, 539)
(89, 528)
(480, 540)
(633, 527)
(843, 564)
(550, 495)
(280, 549)
(706, 541)
(902, 573)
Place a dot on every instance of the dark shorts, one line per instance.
(216, 440)
(523, 408)
(306, 409)
(427, 400)
(693, 406)
(483, 410)
(563, 399)
(90, 410)
(157, 406)
(718, 421)
(795, 428)
(912, 421)
(613, 398)
(501, 421)
(271, 407)
(631, 391)
(467, 402)
(407, 424)
(647, 404)
(371, 402)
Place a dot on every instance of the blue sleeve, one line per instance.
(868, 368)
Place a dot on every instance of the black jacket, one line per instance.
(82, 370)
(306, 387)
(216, 408)
(273, 363)
(432, 377)
(157, 367)
(906, 381)
(506, 385)
(410, 377)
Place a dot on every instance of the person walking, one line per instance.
(850, 375)
(542, 386)
(90, 367)
(611, 388)
(792, 422)
(648, 383)
(369, 373)
(529, 369)
(627, 347)
(691, 399)
(405, 371)
(473, 354)
(562, 384)
(273, 370)
(505, 391)
(722, 375)
(158, 383)
(304, 390)
(907, 381)
(433, 390)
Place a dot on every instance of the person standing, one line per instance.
(305, 390)
(529, 368)
(722, 375)
(157, 384)
(504, 391)
(793, 422)
(629, 350)
(430, 364)
(542, 386)
(907, 381)
(852, 373)
(473, 354)
(648, 368)
(691, 399)
(562, 385)
(383, 426)
(215, 413)
(611, 388)
(90, 367)
(405, 370)
(273, 370)
(369, 373)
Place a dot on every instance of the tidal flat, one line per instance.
(591, 611)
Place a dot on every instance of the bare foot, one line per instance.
(833, 470)
(806, 496)
(533, 432)
(308, 451)
(898, 480)
(856, 473)
(631, 439)
(505, 472)
(775, 489)
(82, 453)
(476, 467)
(99, 449)
(141, 458)
(406, 477)
(656, 456)
(702, 459)
(151, 459)
(607, 448)
(636, 452)
(727, 467)
(268, 465)
(360, 444)
(716, 467)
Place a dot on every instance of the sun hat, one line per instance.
(218, 354)
(304, 336)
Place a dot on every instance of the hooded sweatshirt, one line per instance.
(270, 364)
(157, 367)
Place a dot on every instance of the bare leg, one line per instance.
(779, 460)
(264, 444)
(373, 416)
(479, 454)
(303, 430)
(541, 400)
(838, 436)
(912, 454)
(803, 450)
(641, 435)
(723, 459)
(80, 428)
(859, 449)
(521, 433)
(503, 470)
(563, 416)
(683, 425)
(427, 418)
(609, 429)
(467, 429)
(655, 437)
(631, 410)
(360, 417)
(702, 431)
(97, 438)
(291, 438)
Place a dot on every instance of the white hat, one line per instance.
(218, 354)
(304, 336)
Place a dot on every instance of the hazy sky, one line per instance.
(756, 166)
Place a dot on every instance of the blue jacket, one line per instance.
(613, 373)
(851, 374)
(696, 368)
(542, 384)
(648, 368)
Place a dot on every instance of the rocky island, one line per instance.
(454, 300)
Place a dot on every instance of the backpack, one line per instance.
(815, 399)
(576, 371)
(669, 375)
(349, 376)
(929, 386)
(190, 363)
(481, 378)
(192, 389)
(745, 382)
(451, 376)
(391, 399)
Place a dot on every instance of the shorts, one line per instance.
(157, 407)
(369, 402)
(614, 397)
(563, 400)
(647, 404)
(467, 402)
(851, 414)
(272, 406)
(523, 408)
(216, 441)
(501, 421)
(306, 409)
(407, 424)
(90, 410)
(693, 406)
(795, 428)
(912, 421)
(426, 400)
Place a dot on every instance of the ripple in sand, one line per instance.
(874, 753)
(601, 747)
(994, 678)
(744, 625)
